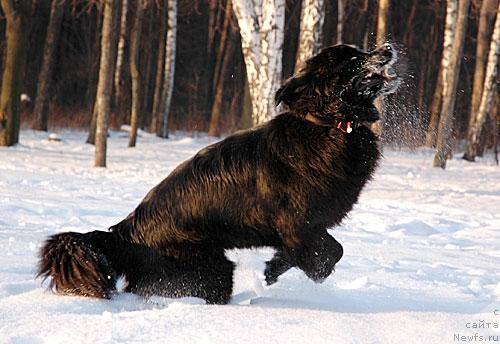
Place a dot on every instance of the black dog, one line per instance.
(281, 184)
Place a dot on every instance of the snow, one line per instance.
(422, 251)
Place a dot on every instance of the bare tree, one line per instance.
(485, 28)
(224, 54)
(169, 67)
(135, 39)
(487, 95)
(261, 25)
(160, 61)
(382, 31)
(105, 83)
(93, 79)
(340, 21)
(45, 77)
(382, 20)
(437, 99)
(121, 50)
(451, 68)
(311, 23)
(18, 16)
(486, 17)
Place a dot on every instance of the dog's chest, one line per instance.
(347, 164)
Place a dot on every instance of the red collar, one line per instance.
(338, 122)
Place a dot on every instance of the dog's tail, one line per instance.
(82, 264)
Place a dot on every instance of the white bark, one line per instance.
(121, 47)
(262, 25)
(169, 69)
(486, 19)
(485, 105)
(311, 24)
(449, 32)
(455, 29)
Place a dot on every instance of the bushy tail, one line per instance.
(80, 264)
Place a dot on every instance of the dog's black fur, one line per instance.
(281, 185)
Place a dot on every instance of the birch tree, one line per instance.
(381, 38)
(224, 54)
(486, 17)
(311, 23)
(135, 39)
(488, 88)
(45, 77)
(105, 83)
(382, 20)
(261, 25)
(18, 16)
(340, 21)
(169, 67)
(485, 28)
(121, 50)
(437, 100)
(160, 62)
(454, 36)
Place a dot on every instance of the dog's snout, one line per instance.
(386, 47)
(383, 54)
(386, 50)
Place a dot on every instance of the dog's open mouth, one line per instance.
(380, 82)
(380, 78)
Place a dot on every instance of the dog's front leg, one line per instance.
(277, 266)
(316, 254)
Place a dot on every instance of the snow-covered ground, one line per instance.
(421, 263)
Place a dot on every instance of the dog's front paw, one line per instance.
(277, 266)
(318, 258)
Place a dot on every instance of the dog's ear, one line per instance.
(292, 89)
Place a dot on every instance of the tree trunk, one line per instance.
(437, 101)
(262, 34)
(486, 18)
(45, 76)
(105, 83)
(311, 23)
(135, 75)
(223, 56)
(93, 76)
(169, 68)
(382, 31)
(451, 70)
(147, 65)
(120, 52)
(487, 94)
(340, 21)
(93, 125)
(382, 20)
(18, 16)
(157, 101)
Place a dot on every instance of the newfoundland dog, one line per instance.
(281, 184)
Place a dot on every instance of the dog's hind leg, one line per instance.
(191, 271)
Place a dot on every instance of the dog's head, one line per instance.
(341, 81)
